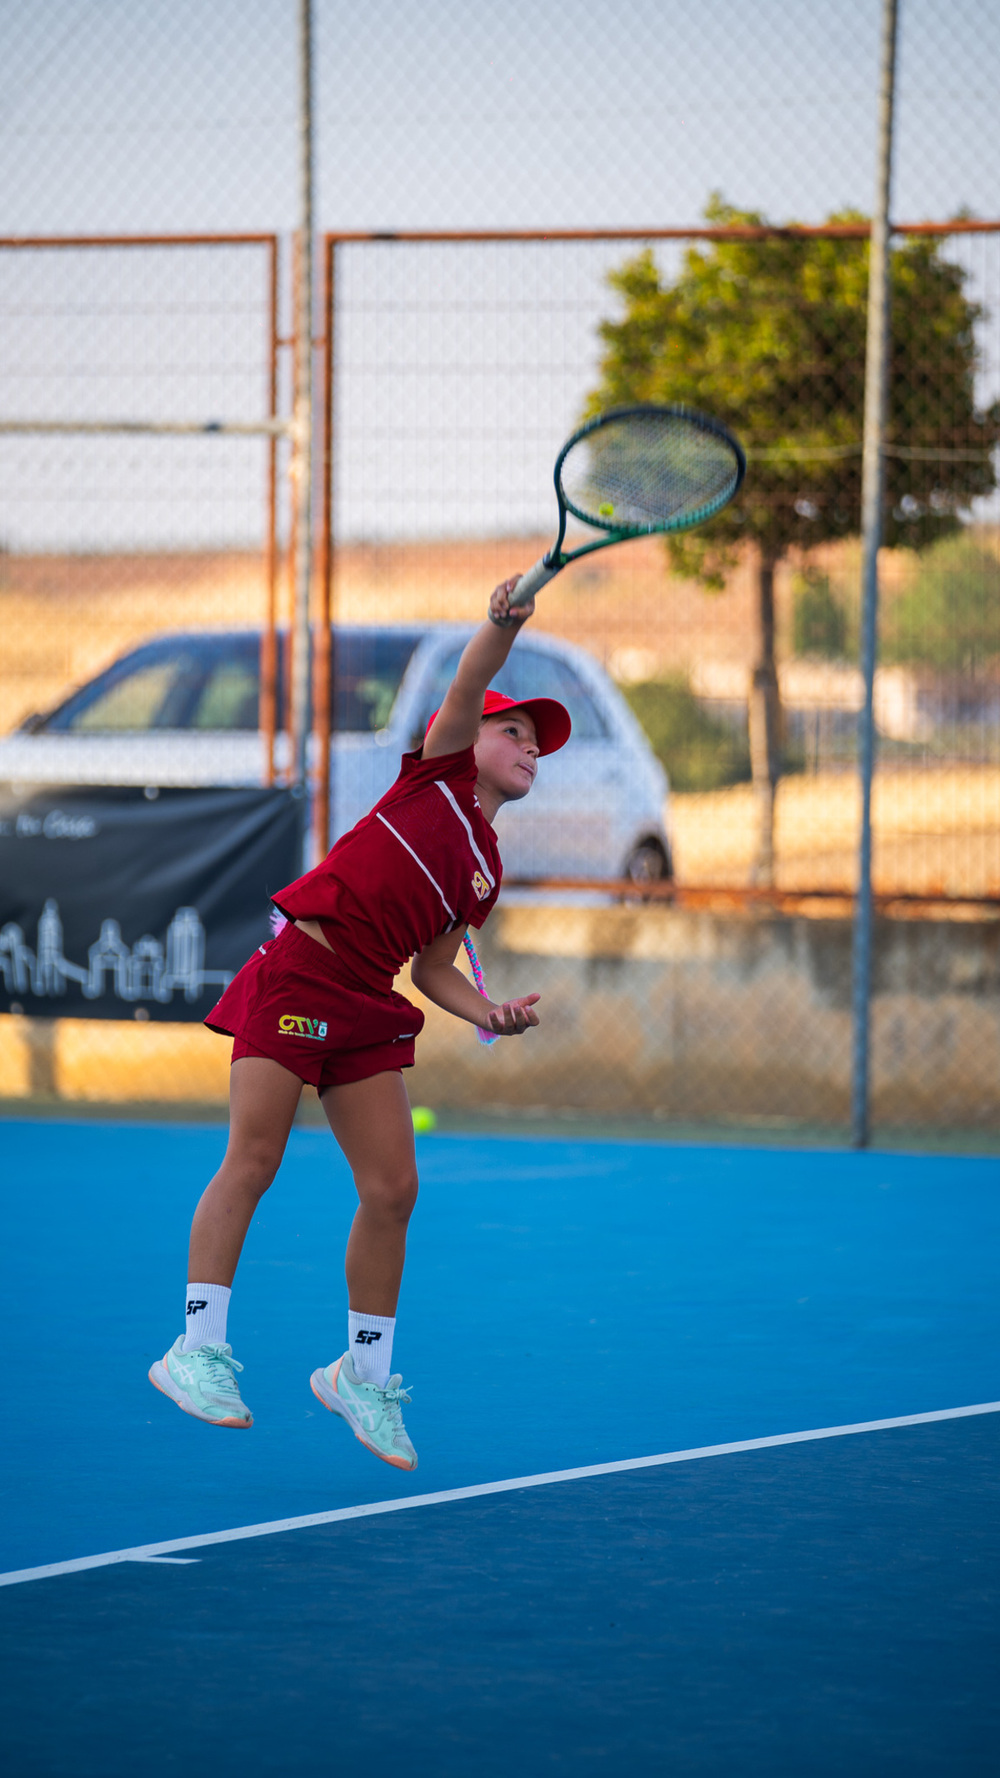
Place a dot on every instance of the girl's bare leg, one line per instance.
(372, 1122)
(263, 1098)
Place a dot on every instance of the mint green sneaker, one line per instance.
(202, 1383)
(373, 1414)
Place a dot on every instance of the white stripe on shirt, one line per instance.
(468, 829)
(449, 911)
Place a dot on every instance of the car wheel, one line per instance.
(648, 862)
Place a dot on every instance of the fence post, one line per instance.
(872, 493)
(302, 450)
(268, 703)
(324, 674)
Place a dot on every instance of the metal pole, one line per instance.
(268, 718)
(302, 449)
(872, 493)
(324, 675)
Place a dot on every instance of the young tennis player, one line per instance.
(317, 1005)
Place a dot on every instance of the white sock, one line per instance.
(205, 1309)
(370, 1340)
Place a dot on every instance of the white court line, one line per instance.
(176, 1561)
(144, 1552)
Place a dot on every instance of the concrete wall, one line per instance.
(682, 1014)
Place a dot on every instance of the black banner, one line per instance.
(119, 902)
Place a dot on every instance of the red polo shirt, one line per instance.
(422, 863)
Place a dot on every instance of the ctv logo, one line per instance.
(292, 1024)
(480, 885)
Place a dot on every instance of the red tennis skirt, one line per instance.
(299, 1004)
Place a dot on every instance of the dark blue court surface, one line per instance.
(820, 1609)
(823, 1607)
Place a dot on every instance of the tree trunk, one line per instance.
(765, 727)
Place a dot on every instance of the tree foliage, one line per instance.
(949, 616)
(769, 336)
(698, 751)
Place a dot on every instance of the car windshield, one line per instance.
(368, 667)
(528, 673)
(213, 683)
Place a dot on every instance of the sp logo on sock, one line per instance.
(364, 1338)
(194, 1306)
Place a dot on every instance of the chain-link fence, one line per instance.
(136, 376)
(459, 369)
(680, 885)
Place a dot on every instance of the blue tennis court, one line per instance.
(814, 1605)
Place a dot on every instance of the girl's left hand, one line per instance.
(514, 1016)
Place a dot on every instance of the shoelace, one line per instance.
(391, 1399)
(220, 1370)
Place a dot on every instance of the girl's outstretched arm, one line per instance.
(434, 974)
(456, 724)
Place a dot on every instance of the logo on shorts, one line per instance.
(292, 1024)
(480, 885)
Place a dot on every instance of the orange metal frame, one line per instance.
(734, 897)
(324, 661)
(833, 231)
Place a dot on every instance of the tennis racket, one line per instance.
(477, 976)
(636, 471)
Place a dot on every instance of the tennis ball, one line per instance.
(423, 1120)
(606, 511)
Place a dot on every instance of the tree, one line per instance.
(768, 334)
(949, 616)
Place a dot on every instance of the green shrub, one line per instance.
(819, 621)
(697, 751)
(949, 617)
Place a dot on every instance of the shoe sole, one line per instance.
(161, 1379)
(330, 1399)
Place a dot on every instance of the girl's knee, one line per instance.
(255, 1163)
(392, 1196)
(402, 1195)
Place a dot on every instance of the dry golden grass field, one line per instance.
(937, 829)
(65, 617)
(937, 832)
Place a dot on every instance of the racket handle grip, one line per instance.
(530, 583)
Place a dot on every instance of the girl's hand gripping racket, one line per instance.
(512, 1011)
(636, 471)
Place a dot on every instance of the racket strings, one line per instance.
(649, 473)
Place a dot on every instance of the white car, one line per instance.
(182, 710)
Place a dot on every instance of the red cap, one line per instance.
(551, 720)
